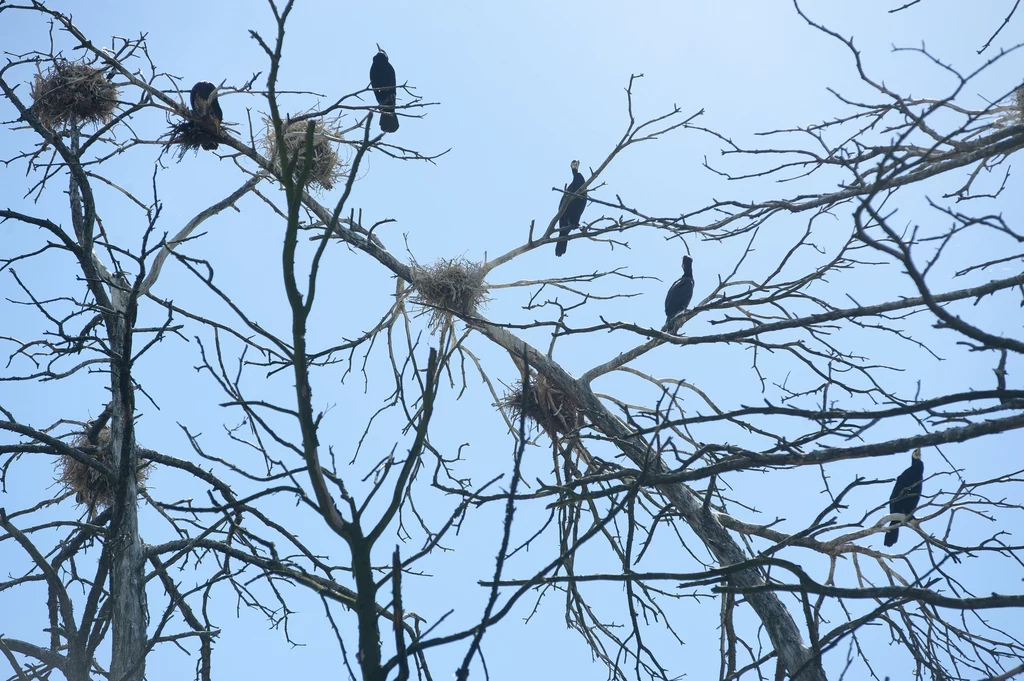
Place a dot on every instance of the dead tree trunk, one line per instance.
(116, 301)
(124, 546)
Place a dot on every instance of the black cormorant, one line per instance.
(679, 295)
(906, 494)
(571, 207)
(206, 110)
(382, 80)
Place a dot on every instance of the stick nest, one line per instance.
(544, 405)
(93, 489)
(1018, 100)
(327, 166)
(190, 136)
(449, 287)
(72, 91)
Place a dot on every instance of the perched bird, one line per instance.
(906, 494)
(382, 80)
(571, 207)
(679, 295)
(206, 110)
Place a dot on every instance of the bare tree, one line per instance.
(646, 466)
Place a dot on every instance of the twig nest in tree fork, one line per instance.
(327, 166)
(1018, 100)
(93, 489)
(71, 91)
(448, 287)
(544, 405)
(190, 136)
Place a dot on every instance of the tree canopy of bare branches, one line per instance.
(237, 396)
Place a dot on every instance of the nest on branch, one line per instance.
(190, 136)
(71, 91)
(448, 287)
(544, 405)
(326, 166)
(91, 487)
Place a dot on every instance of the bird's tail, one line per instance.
(892, 535)
(562, 245)
(388, 119)
(388, 122)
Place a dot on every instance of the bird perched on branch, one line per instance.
(382, 80)
(906, 494)
(679, 295)
(571, 207)
(206, 110)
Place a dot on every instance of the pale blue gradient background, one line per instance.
(523, 89)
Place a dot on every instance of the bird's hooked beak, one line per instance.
(917, 453)
(381, 49)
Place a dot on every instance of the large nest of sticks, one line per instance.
(93, 489)
(1018, 100)
(187, 136)
(544, 405)
(449, 287)
(327, 166)
(73, 91)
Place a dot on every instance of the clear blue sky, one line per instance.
(522, 90)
